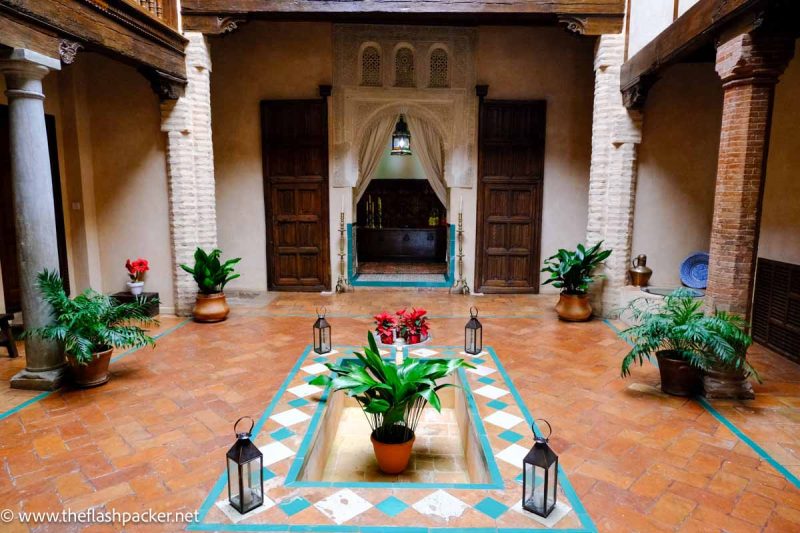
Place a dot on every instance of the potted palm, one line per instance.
(89, 327)
(392, 397)
(729, 374)
(678, 333)
(211, 276)
(572, 273)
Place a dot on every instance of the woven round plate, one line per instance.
(694, 270)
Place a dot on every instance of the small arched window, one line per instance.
(439, 69)
(371, 67)
(404, 67)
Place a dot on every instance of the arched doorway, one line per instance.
(400, 201)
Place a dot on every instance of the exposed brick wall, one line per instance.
(616, 135)
(190, 167)
(749, 67)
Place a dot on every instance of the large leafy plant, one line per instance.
(572, 271)
(92, 322)
(391, 396)
(679, 324)
(209, 272)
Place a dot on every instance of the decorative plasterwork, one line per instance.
(451, 111)
(68, 50)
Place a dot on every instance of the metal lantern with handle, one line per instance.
(540, 475)
(322, 333)
(245, 471)
(473, 333)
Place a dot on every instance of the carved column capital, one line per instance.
(754, 58)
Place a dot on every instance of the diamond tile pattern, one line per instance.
(290, 417)
(292, 506)
(392, 506)
(342, 506)
(503, 419)
(491, 507)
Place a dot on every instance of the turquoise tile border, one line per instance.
(586, 521)
(305, 447)
(741, 435)
(45, 394)
(449, 276)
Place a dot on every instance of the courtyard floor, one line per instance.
(633, 459)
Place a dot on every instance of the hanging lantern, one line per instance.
(401, 138)
(245, 472)
(473, 333)
(540, 475)
(322, 333)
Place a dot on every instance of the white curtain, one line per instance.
(371, 152)
(427, 146)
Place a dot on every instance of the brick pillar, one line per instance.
(749, 66)
(616, 135)
(190, 167)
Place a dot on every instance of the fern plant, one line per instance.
(209, 272)
(391, 396)
(733, 330)
(572, 271)
(678, 325)
(92, 322)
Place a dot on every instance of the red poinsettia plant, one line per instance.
(385, 326)
(413, 324)
(136, 269)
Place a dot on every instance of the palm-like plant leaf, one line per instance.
(209, 272)
(572, 271)
(91, 321)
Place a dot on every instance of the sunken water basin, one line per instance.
(447, 448)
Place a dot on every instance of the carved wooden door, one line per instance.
(511, 168)
(8, 232)
(295, 159)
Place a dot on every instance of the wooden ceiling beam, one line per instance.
(587, 17)
(116, 28)
(700, 26)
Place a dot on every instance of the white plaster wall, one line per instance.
(780, 221)
(648, 18)
(262, 60)
(550, 64)
(130, 176)
(677, 169)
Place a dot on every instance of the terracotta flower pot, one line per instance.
(92, 374)
(726, 384)
(211, 307)
(678, 377)
(574, 307)
(392, 458)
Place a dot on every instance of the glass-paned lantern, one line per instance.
(473, 333)
(245, 471)
(322, 333)
(540, 476)
(401, 138)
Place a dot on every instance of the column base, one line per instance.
(45, 381)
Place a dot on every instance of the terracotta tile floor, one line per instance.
(155, 436)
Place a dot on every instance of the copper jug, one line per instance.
(640, 273)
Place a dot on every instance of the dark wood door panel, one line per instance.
(295, 156)
(511, 167)
(776, 307)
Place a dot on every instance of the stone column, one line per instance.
(34, 217)
(616, 135)
(749, 66)
(190, 167)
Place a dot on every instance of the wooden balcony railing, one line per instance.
(164, 10)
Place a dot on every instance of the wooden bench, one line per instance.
(6, 336)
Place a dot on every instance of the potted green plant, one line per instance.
(211, 276)
(678, 333)
(89, 327)
(729, 374)
(392, 397)
(572, 273)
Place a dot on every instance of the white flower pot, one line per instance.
(136, 287)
